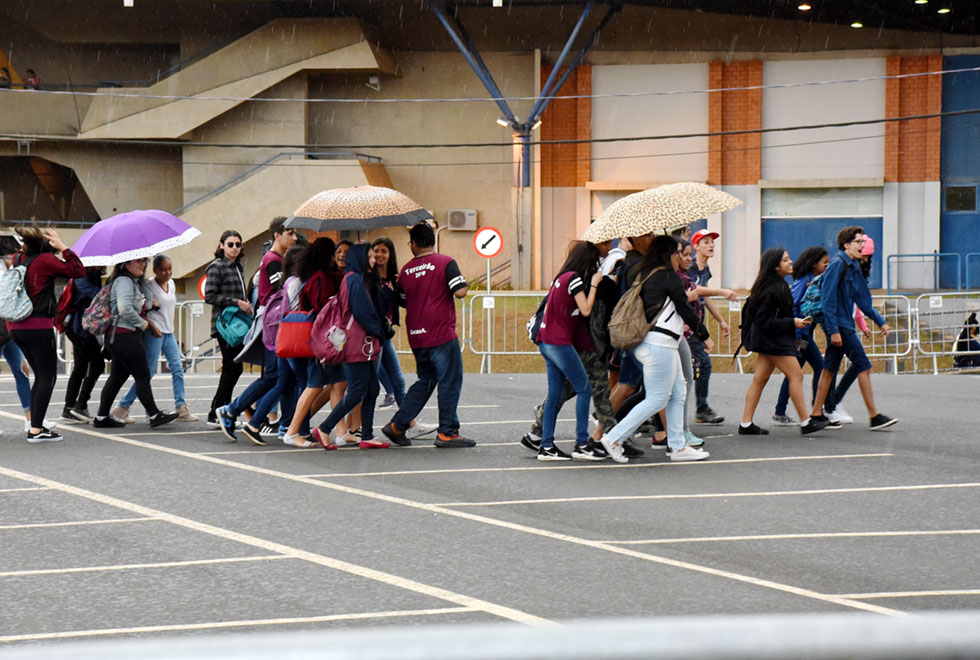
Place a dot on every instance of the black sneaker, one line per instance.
(706, 415)
(589, 452)
(552, 453)
(108, 422)
(396, 436)
(255, 437)
(44, 435)
(80, 414)
(269, 430)
(162, 418)
(453, 441)
(816, 423)
(752, 429)
(227, 422)
(213, 421)
(658, 442)
(531, 442)
(630, 450)
(831, 424)
(67, 416)
(879, 422)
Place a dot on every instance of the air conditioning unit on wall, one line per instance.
(461, 219)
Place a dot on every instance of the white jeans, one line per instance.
(665, 386)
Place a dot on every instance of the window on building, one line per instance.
(961, 198)
(822, 202)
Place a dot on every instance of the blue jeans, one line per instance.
(258, 388)
(153, 345)
(561, 362)
(702, 370)
(809, 355)
(362, 388)
(14, 358)
(390, 372)
(440, 366)
(300, 368)
(664, 385)
(284, 390)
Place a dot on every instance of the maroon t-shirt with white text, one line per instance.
(562, 324)
(426, 285)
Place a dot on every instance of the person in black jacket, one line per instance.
(86, 350)
(769, 329)
(666, 306)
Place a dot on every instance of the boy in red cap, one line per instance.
(703, 242)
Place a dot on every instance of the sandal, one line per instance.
(347, 439)
(298, 441)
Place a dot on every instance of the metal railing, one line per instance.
(971, 282)
(937, 277)
(940, 322)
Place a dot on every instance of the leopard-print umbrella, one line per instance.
(359, 208)
(659, 209)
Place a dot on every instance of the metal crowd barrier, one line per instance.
(493, 324)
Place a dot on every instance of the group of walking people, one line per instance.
(573, 337)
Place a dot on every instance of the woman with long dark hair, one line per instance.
(385, 266)
(130, 300)
(317, 272)
(811, 263)
(225, 287)
(88, 363)
(46, 258)
(769, 329)
(666, 306)
(564, 330)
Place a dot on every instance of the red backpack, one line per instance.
(66, 305)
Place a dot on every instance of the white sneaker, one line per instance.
(122, 414)
(48, 424)
(615, 450)
(688, 453)
(842, 416)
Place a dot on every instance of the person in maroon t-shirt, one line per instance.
(428, 285)
(564, 331)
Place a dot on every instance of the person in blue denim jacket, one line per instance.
(843, 286)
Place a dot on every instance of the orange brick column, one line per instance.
(568, 119)
(912, 146)
(735, 159)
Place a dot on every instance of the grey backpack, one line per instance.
(15, 303)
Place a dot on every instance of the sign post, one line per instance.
(488, 243)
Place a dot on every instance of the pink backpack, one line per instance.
(336, 337)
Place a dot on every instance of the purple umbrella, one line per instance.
(132, 235)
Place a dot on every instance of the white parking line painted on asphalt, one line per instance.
(504, 524)
(594, 466)
(21, 490)
(279, 548)
(813, 535)
(75, 523)
(259, 451)
(134, 567)
(914, 594)
(236, 624)
(693, 496)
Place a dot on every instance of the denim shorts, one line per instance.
(851, 347)
(319, 375)
(630, 370)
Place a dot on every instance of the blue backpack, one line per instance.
(233, 324)
(812, 305)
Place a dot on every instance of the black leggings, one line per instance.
(128, 359)
(88, 366)
(38, 347)
(230, 372)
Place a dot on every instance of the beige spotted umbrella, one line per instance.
(359, 208)
(659, 209)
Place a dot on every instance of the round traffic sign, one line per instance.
(200, 285)
(488, 242)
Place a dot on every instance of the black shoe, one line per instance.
(255, 437)
(531, 442)
(452, 441)
(662, 442)
(706, 415)
(80, 414)
(590, 451)
(552, 453)
(816, 423)
(67, 416)
(397, 437)
(752, 429)
(108, 422)
(162, 418)
(44, 435)
(879, 422)
(630, 450)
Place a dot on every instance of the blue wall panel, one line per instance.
(797, 234)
